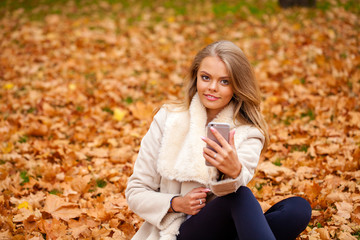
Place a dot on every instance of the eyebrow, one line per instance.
(226, 77)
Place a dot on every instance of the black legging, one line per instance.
(239, 216)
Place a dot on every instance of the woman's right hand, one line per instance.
(190, 203)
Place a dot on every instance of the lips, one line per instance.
(211, 97)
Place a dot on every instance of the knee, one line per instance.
(243, 190)
(244, 193)
(301, 209)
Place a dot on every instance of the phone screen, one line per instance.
(222, 128)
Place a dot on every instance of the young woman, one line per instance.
(182, 198)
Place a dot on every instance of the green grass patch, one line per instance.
(323, 5)
(129, 100)
(108, 110)
(23, 139)
(299, 148)
(310, 113)
(277, 162)
(243, 8)
(31, 110)
(24, 177)
(288, 120)
(101, 183)
(356, 234)
(79, 108)
(55, 192)
(38, 9)
(259, 186)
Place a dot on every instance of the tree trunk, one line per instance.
(297, 3)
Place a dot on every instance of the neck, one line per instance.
(211, 114)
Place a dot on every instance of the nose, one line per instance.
(212, 85)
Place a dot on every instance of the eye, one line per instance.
(224, 82)
(204, 77)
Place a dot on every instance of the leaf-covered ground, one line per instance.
(78, 84)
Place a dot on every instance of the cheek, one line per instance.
(199, 86)
(229, 93)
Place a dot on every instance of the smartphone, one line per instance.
(222, 128)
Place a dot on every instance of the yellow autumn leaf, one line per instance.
(8, 148)
(171, 19)
(24, 204)
(40, 75)
(272, 99)
(320, 60)
(119, 114)
(296, 26)
(296, 81)
(8, 86)
(72, 86)
(153, 82)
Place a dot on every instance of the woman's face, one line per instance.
(213, 85)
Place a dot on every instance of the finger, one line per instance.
(212, 144)
(210, 152)
(199, 203)
(231, 138)
(198, 196)
(211, 160)
(195, 212)
(215, 156)
(200, 189)
(206, 190)
(219, 137)
(203, 201)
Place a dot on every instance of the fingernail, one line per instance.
(207, 190)
(212, 129)
(203, 138)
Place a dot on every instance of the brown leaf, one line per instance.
(81, 184)
(344, 209)
(270, 170)
(324, 234)
(121, 155)
(346, 236)
(327, 149)
(142, 111)
(355, 215)
(37, 129)
(355, 119)
(53, 228)
(58, 208)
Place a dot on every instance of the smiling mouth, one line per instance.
(211, 97)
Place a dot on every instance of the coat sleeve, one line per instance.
(142, 192)
(248, 152)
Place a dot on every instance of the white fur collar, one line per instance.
(181, 153)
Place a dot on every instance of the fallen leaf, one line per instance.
(58, 208)
(324, 234)
(271, 170)
(119, 114)
(121, 155)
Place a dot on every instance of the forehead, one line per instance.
(213, 65)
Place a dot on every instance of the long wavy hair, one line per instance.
(246, 98)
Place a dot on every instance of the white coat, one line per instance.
(171, 162)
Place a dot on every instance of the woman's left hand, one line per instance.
(225, 158)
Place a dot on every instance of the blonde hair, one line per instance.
(246, 90)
